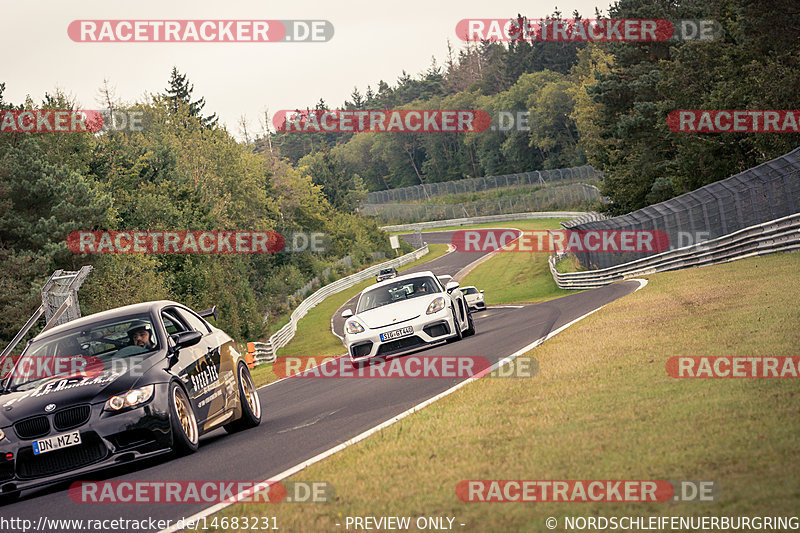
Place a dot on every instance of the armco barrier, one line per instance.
(481, 220)
(778, 235)
(282, 337)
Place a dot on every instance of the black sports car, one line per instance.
(119, 386)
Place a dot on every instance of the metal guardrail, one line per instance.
(262, 353)
(282, 337)
(592, 216)
(480, 220)
(782, 234)
(760, 194)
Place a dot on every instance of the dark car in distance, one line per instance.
(386, 273)
(118, 386)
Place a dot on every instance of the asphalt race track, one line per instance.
(305, 417)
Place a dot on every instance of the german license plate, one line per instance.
(397, 333)
(56, 442)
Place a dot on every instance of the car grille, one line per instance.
(30, 428)
(72, 417)
(437, 330)
(399, 344)
(6, 470)
(360, 350)
(132, 438)
(32, 466)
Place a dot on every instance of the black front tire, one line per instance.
(185, 433)
(457, 325)
(250, 402)
(470, 323)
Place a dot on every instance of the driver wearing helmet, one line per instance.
(141, 334)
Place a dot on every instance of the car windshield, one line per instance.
(470, 290)
(396, 291)
(386, 271)
(83, 350)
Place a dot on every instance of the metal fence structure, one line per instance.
(780, 235)
(575, 196)
(418, 226)
(471, 185)
(761, 194)
(59, 303)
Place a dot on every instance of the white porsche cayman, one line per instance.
(404, 313)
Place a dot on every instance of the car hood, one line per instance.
(396, 313)
(95, 386)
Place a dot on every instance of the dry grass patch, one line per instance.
(601, 407)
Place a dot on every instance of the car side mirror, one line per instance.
(180, 340)
(481, 291)
(184, 339)
(347, 313)
(451, 286)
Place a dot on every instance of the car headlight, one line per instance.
(353, 326)
(131, 398)
(436, 305)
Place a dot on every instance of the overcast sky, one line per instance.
(373, 40)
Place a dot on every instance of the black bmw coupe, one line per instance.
(119, 386)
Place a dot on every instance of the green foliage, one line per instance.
(756, 65)
(178, 173)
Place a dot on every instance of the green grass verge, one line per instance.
(513, 277)
(314, 337)
(601, 407)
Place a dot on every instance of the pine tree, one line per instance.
(179, 94)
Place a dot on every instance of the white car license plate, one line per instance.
(397, 333)
(56, 442)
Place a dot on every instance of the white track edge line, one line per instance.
(319, 457)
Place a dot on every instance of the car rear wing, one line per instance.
(211, 311)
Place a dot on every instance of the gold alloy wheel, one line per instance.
(250, 392)
(185, 415)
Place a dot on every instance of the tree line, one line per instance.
(605, 104)
(182, 171)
